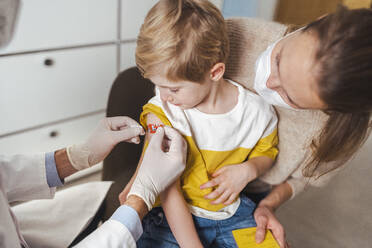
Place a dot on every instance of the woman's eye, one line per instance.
(174, 90)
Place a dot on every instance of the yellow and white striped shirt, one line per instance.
(215, 140)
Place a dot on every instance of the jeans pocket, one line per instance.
(158, 218)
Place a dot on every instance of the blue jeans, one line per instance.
(212, 233)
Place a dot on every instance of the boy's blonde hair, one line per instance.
(186, 38)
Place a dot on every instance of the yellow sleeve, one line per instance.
(156, 110)
(266, 146)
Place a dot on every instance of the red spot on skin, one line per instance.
(152, 127)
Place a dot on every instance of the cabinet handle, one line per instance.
(53, 134)
(48, 62)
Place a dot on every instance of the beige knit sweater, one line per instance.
(248, 38)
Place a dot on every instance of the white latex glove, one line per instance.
(159, 168)
(109, 132)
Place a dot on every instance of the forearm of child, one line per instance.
(129, 184)
(123, 195)
(179, 217)
(259, 165)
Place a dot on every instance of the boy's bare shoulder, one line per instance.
(153, 119)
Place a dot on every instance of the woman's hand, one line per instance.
(266, 220)
(231, 180)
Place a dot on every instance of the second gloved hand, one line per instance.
(160, 168)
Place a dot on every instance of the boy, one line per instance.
(231, 133)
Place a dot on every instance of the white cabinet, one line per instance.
(133, 14)
(51, 137)
(50, 24)
(127, 52)
(57, 71)
(76, 82)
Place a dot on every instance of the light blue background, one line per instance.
(241, 8)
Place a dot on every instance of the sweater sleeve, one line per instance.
(298, 182)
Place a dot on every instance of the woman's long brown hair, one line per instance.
(345, 84)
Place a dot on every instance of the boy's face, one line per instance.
(184, 94)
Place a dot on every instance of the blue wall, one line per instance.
(241, 8)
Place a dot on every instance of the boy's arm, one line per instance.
(179, 217)
(174, 205)
(259, 165)
(123, 195)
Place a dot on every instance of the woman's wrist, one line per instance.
(280, 194)
(272, 201)
(268, 205)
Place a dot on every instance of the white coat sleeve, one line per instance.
(111, 234)
(123, 229)
(23, 177)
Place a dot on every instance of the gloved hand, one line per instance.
(109, 132)
(160, 168)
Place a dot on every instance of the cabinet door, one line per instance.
(41, 88)
(50, 138)
(53, 137)
(132, 15)
(127, 53)
(45, 24)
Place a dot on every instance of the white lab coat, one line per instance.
(23, 178)
(111, 234)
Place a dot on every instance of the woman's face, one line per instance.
(293, 71)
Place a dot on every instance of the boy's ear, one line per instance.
(217, 71)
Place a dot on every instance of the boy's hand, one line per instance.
(231, 180)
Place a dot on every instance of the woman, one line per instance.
(325, 66)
